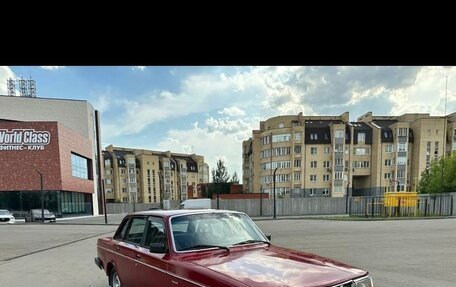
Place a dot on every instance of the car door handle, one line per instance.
(117, 248)
(138, 255)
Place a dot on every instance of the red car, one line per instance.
(217, 248)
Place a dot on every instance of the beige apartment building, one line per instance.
(138, 175)
(330, 156)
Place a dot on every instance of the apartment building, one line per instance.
(138, 175)
(330, 156)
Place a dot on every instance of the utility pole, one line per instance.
(274, 181)
(261, 200)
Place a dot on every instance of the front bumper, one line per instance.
(98, 262)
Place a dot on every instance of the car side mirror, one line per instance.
(268, 236)
(157, 248)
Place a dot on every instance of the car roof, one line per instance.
(173, 212)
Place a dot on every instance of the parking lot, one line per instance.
(405, 253)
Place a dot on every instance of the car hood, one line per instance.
(6, 216)
(275, 266)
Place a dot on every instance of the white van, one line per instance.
(200, 203)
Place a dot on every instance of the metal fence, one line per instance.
(421, 205)
(284, 206)
(425, 205)
(254, 207)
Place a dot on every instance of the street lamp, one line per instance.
(42, 194)
(261, 200)
(274, 181)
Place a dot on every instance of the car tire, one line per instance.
(114, 279)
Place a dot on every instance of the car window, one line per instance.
(222, 229)
(120, 234)
(155, 231)
(136, 231)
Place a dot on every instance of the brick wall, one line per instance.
(17, 167)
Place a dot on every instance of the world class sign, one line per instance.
(24, 139)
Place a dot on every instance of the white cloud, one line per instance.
(52, 68)
(232, 112)
(5, 73)
(212, 145)
(141, 68)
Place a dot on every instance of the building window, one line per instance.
(108, 181)
(326, 177)
(122, 171)
(297, 176)
(387, 162)
(281, 138)
(297, 149)
(338, 175)
(389, 148)
(124, 180)
(297, 136)
(339, 161)
(402, 132)
(313, 163)
(313, 150)
(314, 136)
(360, 164)
(108, 190)
(401, 160)
(312, 191)
(339, 134)
(80, 166)
(124, 189)
(313, 177)
(327, 150)
(108, 171)
(361, 137)
(326, 192)
(387, 175)
(436, 150)
(400, 174)
(326, 163)
(107, 162)
(339, 147)
(402, 147)
(361, 151)
(297, 163)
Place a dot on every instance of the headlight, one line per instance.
(364, 282)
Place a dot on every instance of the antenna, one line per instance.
(27, 88)
(11, 86)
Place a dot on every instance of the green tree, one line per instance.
(432, 180)
(220, 175)
(235, 178)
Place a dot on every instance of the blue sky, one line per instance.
(210, 110)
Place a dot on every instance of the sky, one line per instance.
(210, 110)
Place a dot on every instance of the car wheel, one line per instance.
(115, 280)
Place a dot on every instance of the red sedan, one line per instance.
(218, 248)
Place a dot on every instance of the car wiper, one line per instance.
(200, 246)
(252, 241)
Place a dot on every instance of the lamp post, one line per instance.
(42, 194)
(274, 180)
(261, 200)
(346, 198)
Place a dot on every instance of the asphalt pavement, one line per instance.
(398, 253)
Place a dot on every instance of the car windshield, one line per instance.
(4, 212)
(197, 231)
(38, 211)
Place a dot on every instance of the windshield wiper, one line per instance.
(252, 241)
(200, 246)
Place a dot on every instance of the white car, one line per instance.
(6, 217)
